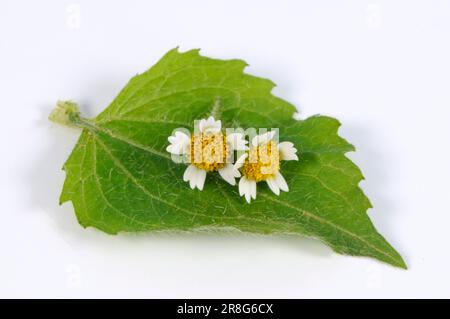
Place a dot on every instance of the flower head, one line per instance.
(207, 150)
(262, 163)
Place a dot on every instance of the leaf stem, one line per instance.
(67, 113)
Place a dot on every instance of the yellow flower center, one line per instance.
(209, 151)
(262, 162)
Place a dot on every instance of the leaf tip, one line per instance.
(393, 257)
(400, 263)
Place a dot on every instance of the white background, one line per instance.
(381, 67)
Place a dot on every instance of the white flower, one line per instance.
(262, 163)
(207, 151)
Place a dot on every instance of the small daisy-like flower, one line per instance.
(208, 150)
(262, 163)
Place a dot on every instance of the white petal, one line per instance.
(210, 121)
(253, 188)
(195, 176)
(179, 143)
(236, 172)
(189, 175)
(210, 125)
(245, 188)
(193, 180)
(287, 151)
(242, 183)
(200, 178)
(237, 141)
(178, 149)
(281, 182)
(240, 161)
(172, 139)
(229, 173)
(201, 125)
(263, 138)
(178, 135)
(171, 149)
(273, 185)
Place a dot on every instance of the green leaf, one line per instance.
(120, 178)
